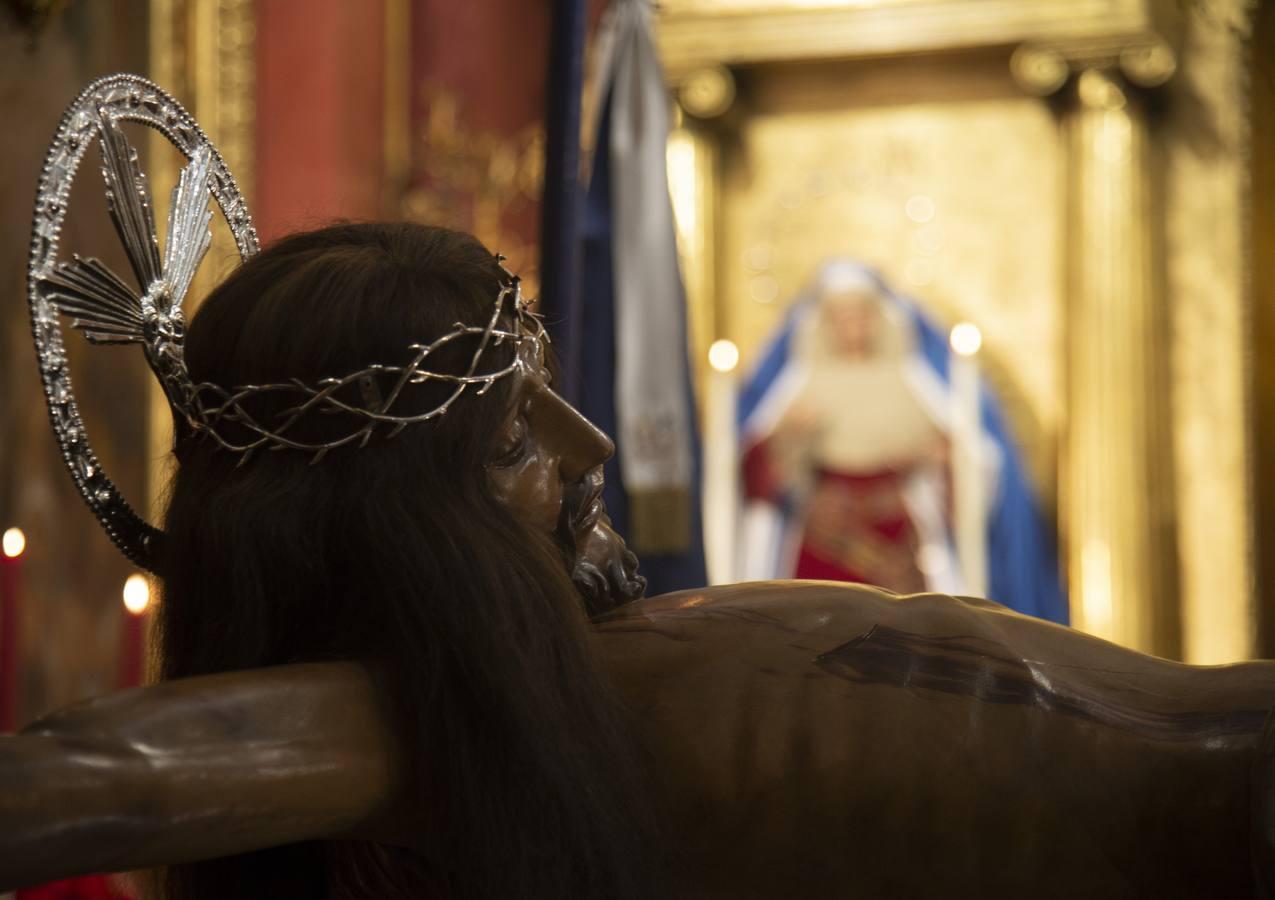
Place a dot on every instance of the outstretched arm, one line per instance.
(811, 734)
(195, 769)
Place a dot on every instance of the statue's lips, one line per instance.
(595, 512)
(599, 551)
(590, 509)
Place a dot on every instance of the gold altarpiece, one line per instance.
(1031, 166)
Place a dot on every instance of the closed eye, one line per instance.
(515, 447)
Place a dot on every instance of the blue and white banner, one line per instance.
(635, 372)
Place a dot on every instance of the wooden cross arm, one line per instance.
(195, 769)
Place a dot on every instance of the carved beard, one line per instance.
(603, 569)
(605, 586)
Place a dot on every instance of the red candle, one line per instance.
(12, 544)
(133, 630)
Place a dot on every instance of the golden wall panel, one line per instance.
(825, 164)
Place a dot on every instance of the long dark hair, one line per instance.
(398, 554)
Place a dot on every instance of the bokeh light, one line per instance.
(723, 355)
(13, 542)
(966, 339)
(137, 594)
(919, 208)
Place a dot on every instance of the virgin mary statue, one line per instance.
(844, 444)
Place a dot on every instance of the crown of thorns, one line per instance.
(108, 310)
(206, 406)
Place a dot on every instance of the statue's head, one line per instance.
(856, 322)
(413, 309)
(850, 310)
(546, 468)
(442, 552)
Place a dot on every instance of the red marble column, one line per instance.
(320, 113)
(477, 111)
(474, 76)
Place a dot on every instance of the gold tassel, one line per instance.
(660, 520)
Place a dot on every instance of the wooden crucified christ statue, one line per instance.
(421, 667)
(805, 739)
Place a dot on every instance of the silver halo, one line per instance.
(117, 98)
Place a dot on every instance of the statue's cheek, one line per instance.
(532, 489)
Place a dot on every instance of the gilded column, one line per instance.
(703, 97)
(203, 52)
(1117, 484)
(1116, 475)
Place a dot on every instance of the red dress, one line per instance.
(856, 526)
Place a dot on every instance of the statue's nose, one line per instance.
(581, 445)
